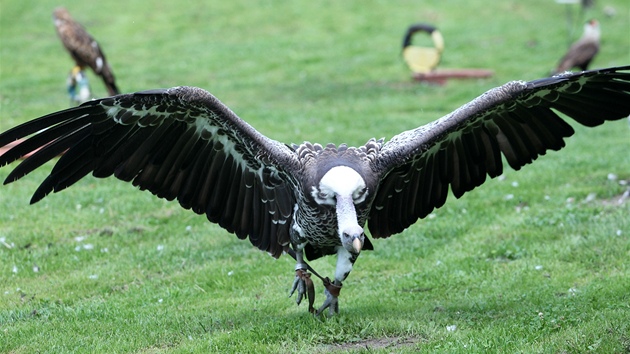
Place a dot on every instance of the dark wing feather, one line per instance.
(179, 143)
(83, 48)
(518, 120)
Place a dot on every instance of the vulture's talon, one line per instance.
(332, 297)
(298, 285)
(301, 284)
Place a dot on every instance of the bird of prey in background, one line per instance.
(84, 50)
(582, 52)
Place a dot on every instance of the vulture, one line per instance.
(84, 50)
(582, 52)
(309, 200)
(422, 59)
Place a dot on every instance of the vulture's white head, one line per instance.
(343, 187)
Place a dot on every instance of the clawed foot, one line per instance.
(305, 288)
(332, 294)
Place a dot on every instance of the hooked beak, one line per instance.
(357, 245)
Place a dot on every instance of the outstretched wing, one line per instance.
(518, 120)
(180, 143)
(83, 48)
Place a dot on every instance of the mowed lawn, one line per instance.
(537, 261)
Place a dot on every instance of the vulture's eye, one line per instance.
(360, 193)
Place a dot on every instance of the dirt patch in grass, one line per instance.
(388, 343)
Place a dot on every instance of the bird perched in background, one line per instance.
(78, 86)
(309, 200)
(422, 59)
(83, 48)
(582, 52)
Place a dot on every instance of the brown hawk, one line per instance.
(582, 52)
(83, 48)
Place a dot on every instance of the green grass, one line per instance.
(545, 271)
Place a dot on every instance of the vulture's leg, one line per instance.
(345, 261)
(300, 282)
(331, 290)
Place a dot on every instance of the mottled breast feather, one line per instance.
(318, 223)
